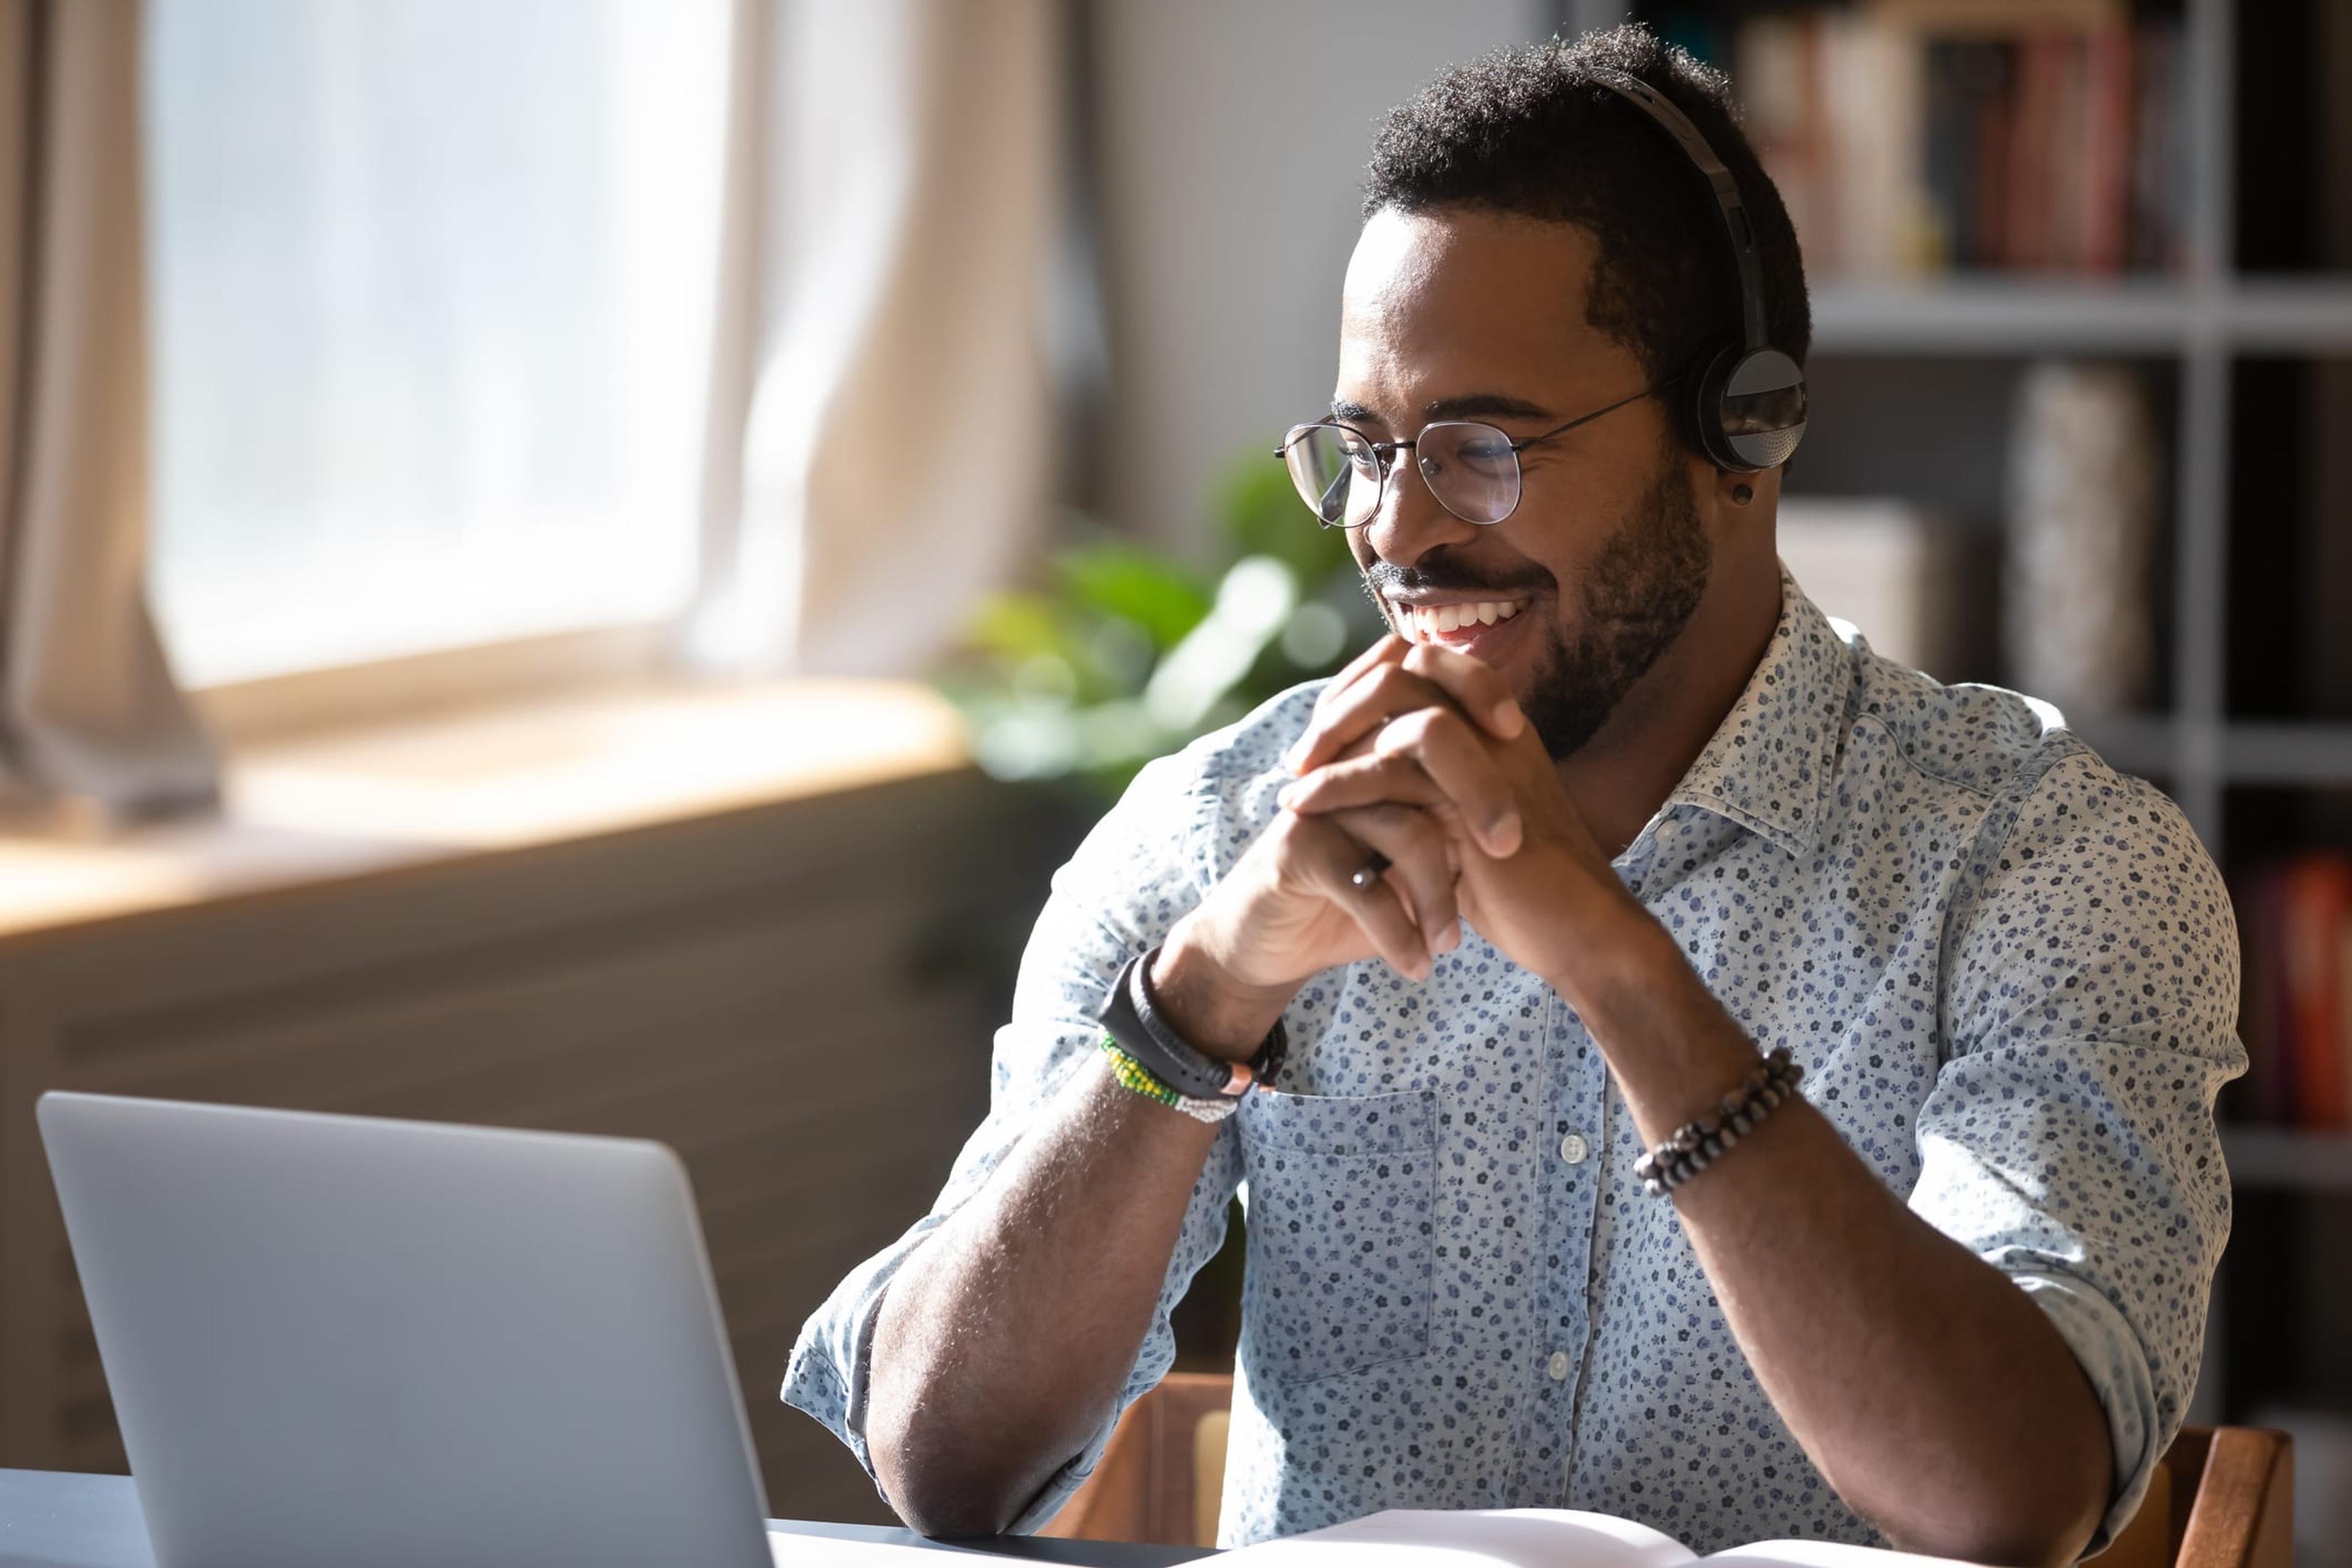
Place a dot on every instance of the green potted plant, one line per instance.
(1127, 652)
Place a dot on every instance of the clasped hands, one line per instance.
(1421, 756)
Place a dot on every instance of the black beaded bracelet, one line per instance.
(1696, 1145)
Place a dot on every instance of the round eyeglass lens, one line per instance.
(1471, 468)
(1337, 473)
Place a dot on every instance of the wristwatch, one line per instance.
(1128, 1016)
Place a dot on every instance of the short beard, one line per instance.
(1640, 591)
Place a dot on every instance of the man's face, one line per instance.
(1471, 315)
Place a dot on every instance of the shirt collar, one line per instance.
(1768, 765)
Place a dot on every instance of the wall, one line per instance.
(1230, 139)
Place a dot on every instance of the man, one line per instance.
(1531, 886)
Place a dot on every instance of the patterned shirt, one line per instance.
(2010, 973)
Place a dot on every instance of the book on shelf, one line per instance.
(1911, 137)
(2080, 538)
(2297, 915)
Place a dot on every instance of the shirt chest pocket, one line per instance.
(1342, 1250)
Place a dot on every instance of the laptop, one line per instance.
(342, 1340)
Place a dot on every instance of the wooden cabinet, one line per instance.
(772, 990)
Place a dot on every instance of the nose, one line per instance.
(1410, 521)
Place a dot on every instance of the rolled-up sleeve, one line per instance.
(1137, 872)
(2091, 1007)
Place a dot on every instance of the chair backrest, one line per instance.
(1161, 1478)
(2223, 1497)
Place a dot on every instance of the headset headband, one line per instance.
(1660, 108)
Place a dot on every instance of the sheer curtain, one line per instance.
(876, 450)
(881, 408)
(432, 284)
(87, 707)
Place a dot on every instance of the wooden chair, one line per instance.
(1162, 1478)
(2223, 1496)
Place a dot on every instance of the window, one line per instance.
(432, 286)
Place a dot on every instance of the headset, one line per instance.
(1744, 401)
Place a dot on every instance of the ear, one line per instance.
(1737, 527)
(1715, 490)
(1744, 493)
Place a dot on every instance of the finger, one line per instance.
(1387, 650)
(1472, 682)
(1430, 758)
(1379, 696)
(1421, 865)
(1325, 860)
(1465, 766)
(1363, 777)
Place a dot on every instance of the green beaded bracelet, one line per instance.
(1133, 1075)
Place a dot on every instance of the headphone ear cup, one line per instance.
(1756, 404)
(1703, 407)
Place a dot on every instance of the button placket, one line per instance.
(1577, 1081)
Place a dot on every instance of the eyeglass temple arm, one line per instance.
(1589, 418)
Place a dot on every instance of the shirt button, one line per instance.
(1573, 1149)
(1558, 1366)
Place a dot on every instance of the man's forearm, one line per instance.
(1925, 1385)
(1005, 1339)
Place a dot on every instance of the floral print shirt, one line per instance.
(2010, 973)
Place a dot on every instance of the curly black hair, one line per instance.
(1529, 131)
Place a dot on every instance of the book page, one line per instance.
(1491, 1538)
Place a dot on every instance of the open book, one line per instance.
(1532, 1538)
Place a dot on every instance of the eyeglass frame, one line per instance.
(1384, 454)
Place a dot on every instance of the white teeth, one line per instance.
(1426, 622)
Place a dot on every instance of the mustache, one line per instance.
(1433, 574)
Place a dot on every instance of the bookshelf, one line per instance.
(2130, 316)
(2264, 1159)
(2257, 773)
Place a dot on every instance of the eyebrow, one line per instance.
(1469, 406)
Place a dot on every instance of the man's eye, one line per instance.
(1485, 456)
(1361, 457)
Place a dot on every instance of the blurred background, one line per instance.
(577, 562)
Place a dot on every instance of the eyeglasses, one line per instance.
(1471, 467)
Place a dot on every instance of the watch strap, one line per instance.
(1129, 1016)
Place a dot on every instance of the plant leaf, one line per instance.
(1163, 597)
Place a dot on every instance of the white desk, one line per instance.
(57, 1519)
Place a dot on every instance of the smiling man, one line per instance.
(1704, 1071)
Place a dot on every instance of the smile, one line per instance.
(1454, 624)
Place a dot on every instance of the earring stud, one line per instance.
(1741, 494)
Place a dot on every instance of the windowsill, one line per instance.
(325, 808)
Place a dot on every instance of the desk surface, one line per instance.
(54, 1519)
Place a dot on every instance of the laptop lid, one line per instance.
(345, 1340)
